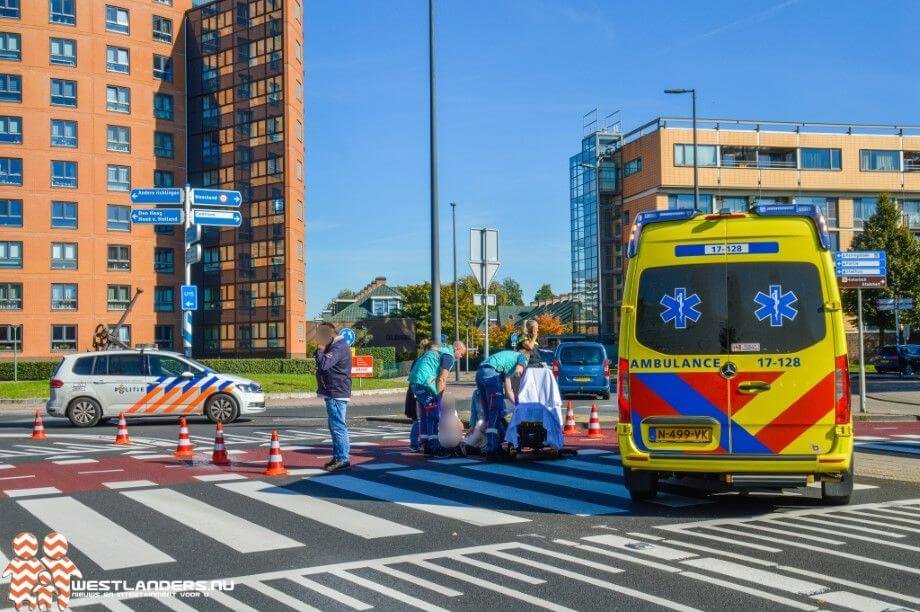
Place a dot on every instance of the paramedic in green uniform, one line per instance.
(493, 380)
(427, 380)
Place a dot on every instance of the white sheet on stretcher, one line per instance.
(538, 400)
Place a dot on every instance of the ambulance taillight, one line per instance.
(842, 391)
(623, 391)
(556, 368)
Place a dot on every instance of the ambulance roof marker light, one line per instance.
(654, 216)
(798, 210)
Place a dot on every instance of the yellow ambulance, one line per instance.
(732, 363)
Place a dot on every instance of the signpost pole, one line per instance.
(862, 351)
(485, 293)
(187, 314)
(897, 320)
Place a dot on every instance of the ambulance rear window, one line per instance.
(710, 309)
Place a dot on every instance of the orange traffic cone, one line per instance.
(38, 430)
(184, 449)
(570, 426)
(275, 462)
(219, 456)
(121, 437)
(594, 425)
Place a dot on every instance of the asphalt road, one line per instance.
(399, 532)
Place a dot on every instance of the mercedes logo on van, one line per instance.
(729, 370)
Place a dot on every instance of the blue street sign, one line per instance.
(220, 218)
(158, 216)
(514, 339)
(189, 297)
(861, 263)
(216, 197)
(349, 335)
(165, 195)
(443, 339)
(193, 234)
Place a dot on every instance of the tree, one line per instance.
(513, 291)
(545, 292)
(550, 325)
(345, 294)
(884, 232)
(500, 335)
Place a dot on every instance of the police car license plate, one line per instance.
(582, 379)
(681, 434)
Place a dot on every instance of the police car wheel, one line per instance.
(84, 412)
(221, 408)
(641, 485)
(837, 493)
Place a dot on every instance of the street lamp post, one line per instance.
(433, 144)
(453, 218)
(696, 178)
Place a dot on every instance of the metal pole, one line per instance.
(862, 352)
(485, 292)
(897, 321)
(16, 355)
(467, 349)
(453, 217)
(187, 314)
(433, 131)
(696, 178)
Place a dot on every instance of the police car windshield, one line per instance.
(717, 309)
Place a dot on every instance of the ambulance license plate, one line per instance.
(582, 379)
(681, 434)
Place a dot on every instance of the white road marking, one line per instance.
(607, 469)
(341, 517)
(451, 461)
(385, 590)
(656, 551)
(331, 593)
(94, 534)
(74, 461)
(32, 492)
(152, 456)
(382, 466)
(101, 471)
(899, 518)
(620, 556)
(865, 521)
(523, 496)
(711, 580)
(175, 603)
(220, 477)
(6, 466)
(416, 581)
(18, 477)
(228, 529)
(225, 600)
(306, 472)
(793, 534)
(852, 601)
(909, 436)
(755, 575)
(281, 597)
(856, 486)
(129, 484)
(501, 571)
(733, 540)
(593, 451)
(481, 517)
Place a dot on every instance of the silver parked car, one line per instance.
(89, 387)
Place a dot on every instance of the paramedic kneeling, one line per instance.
(493, 380)
(427, 381)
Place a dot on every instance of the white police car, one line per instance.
(89, 387)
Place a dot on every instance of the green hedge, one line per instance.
(262, 366)
(29, 370)
(384, 358)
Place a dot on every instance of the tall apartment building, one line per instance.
(840, 167)
(99, 96)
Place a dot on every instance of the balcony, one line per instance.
(11, 304)
(64, 304)
(63, 141)
(67, 182)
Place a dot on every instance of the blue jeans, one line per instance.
(491, 386)
(335, 410)
(414, 442)
(428, 408)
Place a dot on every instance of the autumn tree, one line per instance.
(550, 324)
(500, 335)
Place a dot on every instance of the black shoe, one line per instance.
(338, 465)
(328, 463)
(442, 453)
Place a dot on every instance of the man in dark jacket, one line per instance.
(333, 384)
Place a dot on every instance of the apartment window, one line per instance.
(63, 337)
(10, 296)
(301, 291)
(163, 337)
(162, 68)
(242, 88)
(163, 145)
(162, 29)
(10, 130)
(10, 254)
(299, 250)
(819, 159)
(685, 201)
(298, 11)
(733, 203)
(63, 255)
(119, 258)
(873, 160)
(163, 106)
(118, 178)
(863, 210)
(10, 171)
(683, 155)
(118, 138)
(163, 299)
(827, 206)
(117, 99)
(210, 79)
(10, 88)
(770, 200)
(63, 92)
(63, 52)
(739, 157)
(64, 174)
(11, 213)
(273, 165)
(10, 46)
(911, 211)
(632, 167)
(209, 41)
(63, 297)
(835, 240)
(63, 133)
(776, 157)
(117, 59)
(166, 2)
(210, 149)
(300, 131)
(63, 12)
(164, 260)
(211, 258)
(298, 91)
(9, 9)
(118, 297)
(298, 51)
(116, 20)
(242, 14)
(64, 215)
(118, 218)
(911, 161)
(129, 364)
(164, 230)
(163, 178)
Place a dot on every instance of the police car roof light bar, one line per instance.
(654, 216)
(798, 210)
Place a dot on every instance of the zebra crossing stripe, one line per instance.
(527, 497)
(481, 517)
(656, 551)
(712, 580)
(387, 591)
(757, 576)
(228, 529)
(281, 597)
(347, 519)
(502, 571)
(174, 603)
(233, 604)
(607, 469)
(106, 543)
(338, 596)
(416, 581)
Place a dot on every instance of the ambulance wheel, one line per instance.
(641, 485)
(84, 412)
(221, 408)
(838, 493)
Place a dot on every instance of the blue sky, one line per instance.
(515, 78)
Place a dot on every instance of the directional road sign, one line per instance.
(514, 339)
(189, 295)
(163, 195)
(904, 303)
(193, 253)
(861, 269)
(193, 234)
(216, 197)
(158, 216)
(349, 335)
(220, 218)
